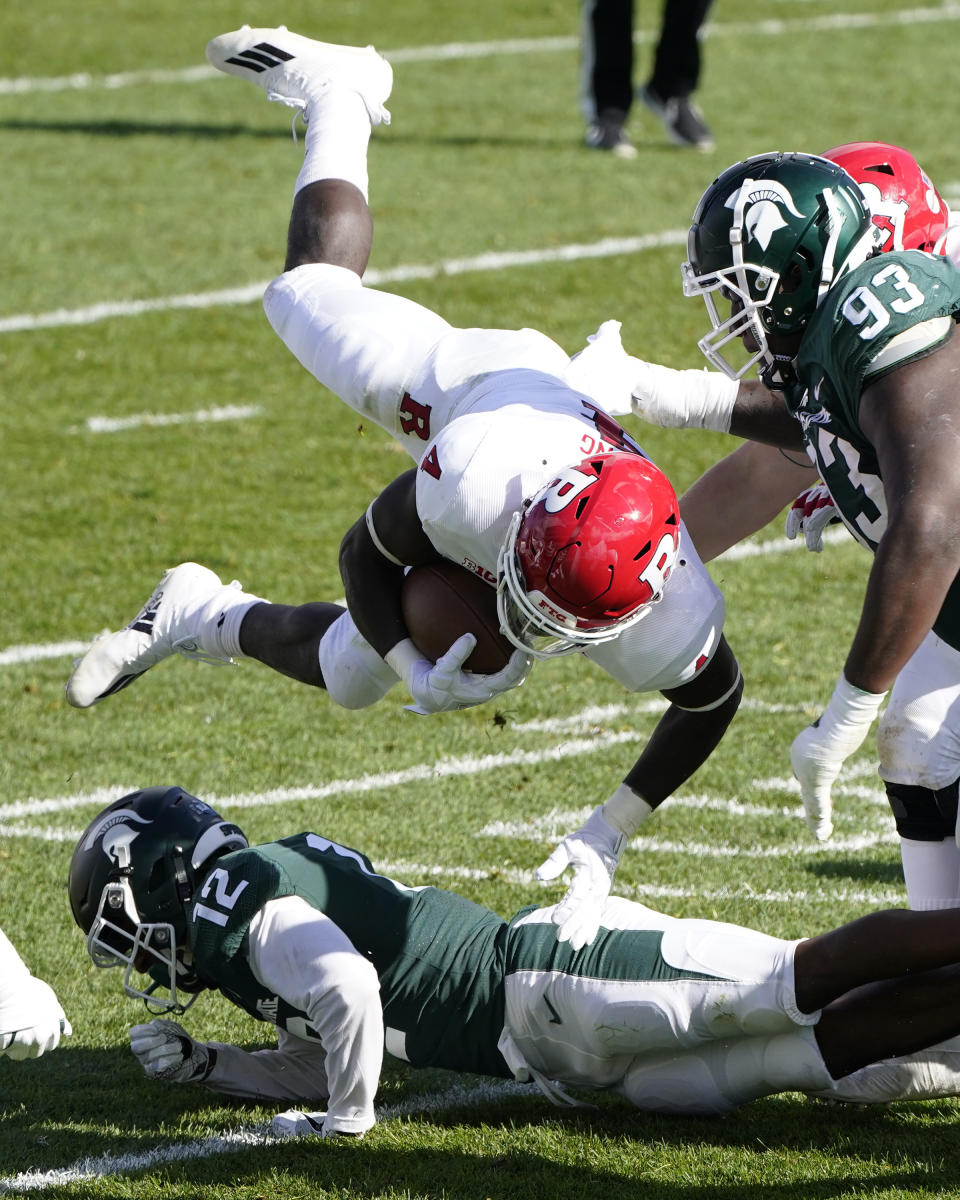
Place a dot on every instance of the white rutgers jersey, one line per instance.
(399, 364)
(477, 474)
(491, 417)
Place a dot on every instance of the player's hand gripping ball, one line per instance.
(442, 601)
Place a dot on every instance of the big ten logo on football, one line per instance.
(414, 417)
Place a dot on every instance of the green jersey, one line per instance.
(441, 960)
(890, 310)
(439, 957)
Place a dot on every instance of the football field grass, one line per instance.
(151, 416)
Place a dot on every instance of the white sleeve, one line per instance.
(15, 998)
(300, 954)
(293, 1072)
(12, 966)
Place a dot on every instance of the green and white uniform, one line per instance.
(889, 311)
(305, 934)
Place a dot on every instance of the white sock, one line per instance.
(932, 874)
(218, 621)
(336, 138)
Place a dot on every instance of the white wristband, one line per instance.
(625, 810)
(402, 657)
(850, 704)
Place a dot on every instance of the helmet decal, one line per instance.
(758, 202)
(567, 486)
(112, 838)
(907, 209)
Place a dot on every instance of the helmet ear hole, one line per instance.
(158, 875)
(793, 276)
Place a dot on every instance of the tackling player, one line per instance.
(747, 489)
(857, 358)
(520, 477)
(676, 1015)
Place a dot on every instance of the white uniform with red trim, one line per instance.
(491, 415)
(476, 475)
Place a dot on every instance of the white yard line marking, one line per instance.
(545, 828)
(459, 1095)
(499, 261)
(831, 537)
(15, 655)
(226, 412)
(888, 898)
(773, 27)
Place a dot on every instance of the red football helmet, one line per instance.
(588, 555)
(898, 192)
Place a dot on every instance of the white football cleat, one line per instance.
(166, 625)
(294, 69)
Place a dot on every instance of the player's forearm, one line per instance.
(13, 970)
(911, 574)
(740, 494)
(269, 1074)
(680, 744)
(372, 586)
(762, 416)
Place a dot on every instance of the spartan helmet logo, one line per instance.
(758, 201)
(115, 835)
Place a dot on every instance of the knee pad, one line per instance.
(678, 1083)
(716, 1078)
(354, 674)
(924, 814)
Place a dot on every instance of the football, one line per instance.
(440, 602)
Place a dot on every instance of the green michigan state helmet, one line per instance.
(770, 236)
(133, 873)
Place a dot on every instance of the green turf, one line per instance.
(159, 189)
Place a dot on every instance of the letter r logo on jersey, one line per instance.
(414, 417)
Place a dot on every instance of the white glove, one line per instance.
(294, 1123)
(38, 1032)
(593, 851)
(683, 399)
(167, 1051)
(810, 514)
(444, 686)
(818, 753)
(604, 371)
